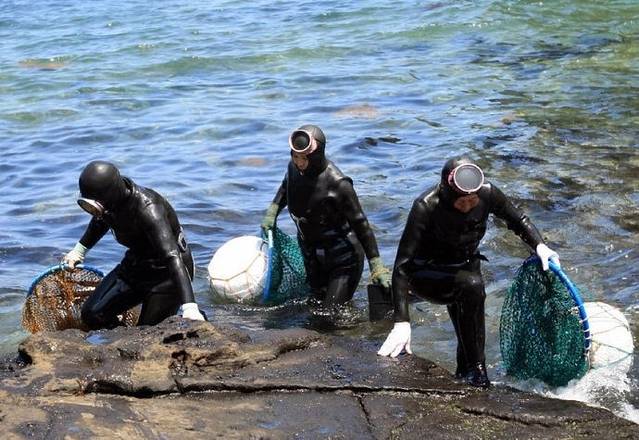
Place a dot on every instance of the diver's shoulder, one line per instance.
(489, 190)
(334, 174)
(149, 202)
(430, 197)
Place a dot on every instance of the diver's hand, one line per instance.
(191, 311)
(545, 253)
(75, 256)
(379, 273)
(268, 222)
(397, 340)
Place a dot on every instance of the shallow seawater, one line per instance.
(196, 99)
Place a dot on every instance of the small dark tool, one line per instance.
(380, 302)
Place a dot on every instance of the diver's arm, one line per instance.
(349, 205)
(399, 338)
(516, 220)
(181, 277)
(412, 238)
(522, 226)
(276, 206)
(94, 232)
(154, 222)
(280, 197)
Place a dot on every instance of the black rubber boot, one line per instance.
(477, 376)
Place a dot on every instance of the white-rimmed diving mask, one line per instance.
(466, 178)
(93, 207)
(302, 142)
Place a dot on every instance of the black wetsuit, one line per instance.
(438, 260)
(331, 227)
(157, 268)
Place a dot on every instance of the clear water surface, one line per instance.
(196, 99)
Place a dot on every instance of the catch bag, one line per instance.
(55, 299)
(544, 329)
(286, 275)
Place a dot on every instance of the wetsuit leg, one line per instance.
(472, 329)
(161, 300)
(434, 284)
(462, 290)
(345, 263)
(471, 317)
(160, 303)
(342, 284)
(462, 363)
(111, 298)
(315, 273)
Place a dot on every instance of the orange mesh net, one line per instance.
(56, 298)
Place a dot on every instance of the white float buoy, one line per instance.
(611, 337)
(238, 269)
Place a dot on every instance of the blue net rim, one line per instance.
(268, 237)
(57, 268)
(574, 293)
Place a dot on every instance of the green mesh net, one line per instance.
(287, 273)
(540, 330)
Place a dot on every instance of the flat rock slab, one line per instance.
(185, 379)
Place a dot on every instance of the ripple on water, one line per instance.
(199, 107)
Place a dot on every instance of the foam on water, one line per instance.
(607, 383)
(609, 388)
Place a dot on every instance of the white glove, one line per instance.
(397, 340)
(545, 253)
(75, 256)
(191, 311)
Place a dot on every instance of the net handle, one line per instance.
(269, 271)
(58, 268)
(576, 297)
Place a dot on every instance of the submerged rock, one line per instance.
(186, 379)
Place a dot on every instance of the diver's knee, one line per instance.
(472, 286)
(91, 317)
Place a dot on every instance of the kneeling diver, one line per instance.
(157, 268)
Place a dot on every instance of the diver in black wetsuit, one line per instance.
(438, 260)
(157, 268)
(331, 227)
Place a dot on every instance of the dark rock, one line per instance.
(184, 379)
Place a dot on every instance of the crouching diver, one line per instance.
(438, 260)
(332, 230)
(157, 268)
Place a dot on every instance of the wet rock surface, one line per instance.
(184, 379)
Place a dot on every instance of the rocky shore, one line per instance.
(185, 379)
